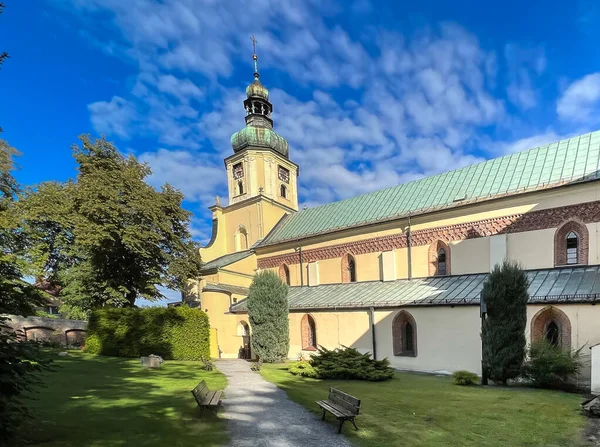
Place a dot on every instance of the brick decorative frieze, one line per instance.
(516, 223)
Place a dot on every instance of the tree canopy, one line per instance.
(108, 238)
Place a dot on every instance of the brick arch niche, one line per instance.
(308, 334)
(542, 322)
(434, 250)
(348, 268)
(404, 334)
(560, 242)
(284, 274)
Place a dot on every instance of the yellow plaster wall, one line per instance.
(447, 339)
(333, 329)
(533, 249)
(594, 243)
(470, 256)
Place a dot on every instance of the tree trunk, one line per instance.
(131, 296)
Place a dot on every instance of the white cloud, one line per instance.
(581, 99)
(112, 117)
(524, 65)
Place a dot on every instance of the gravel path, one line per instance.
(260, 414)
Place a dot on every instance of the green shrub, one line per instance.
(349, 364)
(268, 314)
(92, 345)
(303, 368)
(503, 332)
(180, 333)
(256, 366)
(465, 378)
(550, 366)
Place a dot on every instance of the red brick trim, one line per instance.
(398, 328)
(516, 223)
(284, 273)
(541, 320)
(434, 249)
(560, 242)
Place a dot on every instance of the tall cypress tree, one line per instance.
(268, 314)
(503, 335)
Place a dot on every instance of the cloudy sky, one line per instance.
(368, 93)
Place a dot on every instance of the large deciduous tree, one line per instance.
(268, 314)
(503, 334)
(109, 238)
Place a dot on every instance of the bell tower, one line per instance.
(260, 165)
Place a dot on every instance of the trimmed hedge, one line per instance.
(179, 333)
(465, 378)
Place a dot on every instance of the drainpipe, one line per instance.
(299, 250)
(408, 244)
(372, 323)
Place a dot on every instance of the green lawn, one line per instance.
(105, 401)
(420, 410)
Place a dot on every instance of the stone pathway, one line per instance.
(260, 414)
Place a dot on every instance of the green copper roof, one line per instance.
(567, 161)
(226, 260)
(213, 287)
(578, 284)
(259, 137)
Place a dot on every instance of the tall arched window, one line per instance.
(284, 274)
(240, 188)
(283, 191)
(308, 333)
(439, 259)
(241, 239)
(571, 243)
(404, 335)
(553, 333)
(553, 325)
(348, 268)
(441, 262)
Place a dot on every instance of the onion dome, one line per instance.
(258, 132)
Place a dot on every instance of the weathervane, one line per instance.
(254, 56)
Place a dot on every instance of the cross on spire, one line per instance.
(254, 56)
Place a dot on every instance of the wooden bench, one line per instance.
(207, 398)
(343, 406)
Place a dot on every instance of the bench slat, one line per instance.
(208, 398)
(344, 400)
(345, 396)
(216, 399)
(338, 412)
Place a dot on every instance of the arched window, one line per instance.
(241, 239)
(240, 188)
(308, 333)
(283, 191)
(243, 329)
(571, 244)
(553, 333)
(441, 262)
(404, 335)
(284, 274)
(553, 325)
(439, 259)
(348, 268)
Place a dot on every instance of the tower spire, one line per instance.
(255, 57)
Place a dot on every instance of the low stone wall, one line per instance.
(51, 330)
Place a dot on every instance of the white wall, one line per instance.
(596, 369)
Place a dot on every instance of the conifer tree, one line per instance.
(503, 335)
(268, 314)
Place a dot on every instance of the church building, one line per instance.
(398, 272)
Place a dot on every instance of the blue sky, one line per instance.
(368, 93)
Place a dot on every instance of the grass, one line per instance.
(105, 401)
(420, 410)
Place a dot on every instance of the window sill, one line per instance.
(406, 354)
(310, 348)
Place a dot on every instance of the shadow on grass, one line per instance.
(104, 401)
(419, 410)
